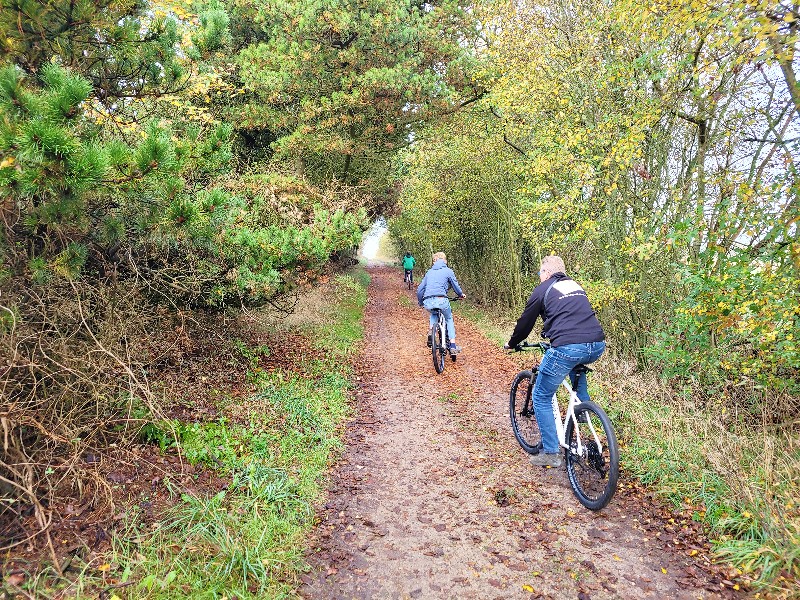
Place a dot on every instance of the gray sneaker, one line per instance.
(546, 460)
(454, 349)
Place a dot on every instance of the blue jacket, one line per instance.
(437, 281)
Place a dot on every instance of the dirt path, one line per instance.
(434, 499)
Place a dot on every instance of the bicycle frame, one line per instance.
(441, 348)
(570, 414)
(591, 451)
(443, 326)
(443, 321)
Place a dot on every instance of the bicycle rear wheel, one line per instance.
(437, 348)
(593, 469)
(520, 408)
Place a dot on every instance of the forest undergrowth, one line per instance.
(232, 516)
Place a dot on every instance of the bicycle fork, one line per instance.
(561, 427)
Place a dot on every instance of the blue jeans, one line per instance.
(556, 364)
(442, 304)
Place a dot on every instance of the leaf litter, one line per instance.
(433, 498)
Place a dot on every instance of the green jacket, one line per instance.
(409, 262)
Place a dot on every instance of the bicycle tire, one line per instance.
(437, 348)
(593, 475)
(408, 280)
(520, 409)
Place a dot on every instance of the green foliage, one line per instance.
(341, 85)
(737, 324)
(119, 48)
(55, 161)
(459, 197)
(70, 261)
(229, 249)
(236, 255)
(160, 433)
(213, 33)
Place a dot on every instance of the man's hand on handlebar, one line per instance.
(543, 346)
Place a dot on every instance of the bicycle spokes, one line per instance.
(592, 456)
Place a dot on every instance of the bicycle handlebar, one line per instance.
(543, 346)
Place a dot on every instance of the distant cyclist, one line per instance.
(432, 293)
(408, 264)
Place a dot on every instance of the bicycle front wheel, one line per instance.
(437, 349)
(592, 456)
(520, 408)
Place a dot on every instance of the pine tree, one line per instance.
(342, 85)
(121, 51)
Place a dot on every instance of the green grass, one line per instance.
(497, 329)
(725, 474)
(405, 301)
(739, 479)
(248, 540)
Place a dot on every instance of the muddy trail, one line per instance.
(433, 497)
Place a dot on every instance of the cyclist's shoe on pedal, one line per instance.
(453, 349)
(582, 417)
(546, 460)
(429, 340)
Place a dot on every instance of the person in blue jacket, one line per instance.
(432, 293)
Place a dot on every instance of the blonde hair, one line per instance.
(553, 264)
(439, 256)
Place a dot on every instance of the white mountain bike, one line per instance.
(586, 435)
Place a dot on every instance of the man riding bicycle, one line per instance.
(408, 266)
(576, 337)
(432, 294)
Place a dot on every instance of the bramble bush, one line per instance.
(737, 327)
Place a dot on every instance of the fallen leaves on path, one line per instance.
(434, 499)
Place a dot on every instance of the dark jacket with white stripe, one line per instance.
(568, 318)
